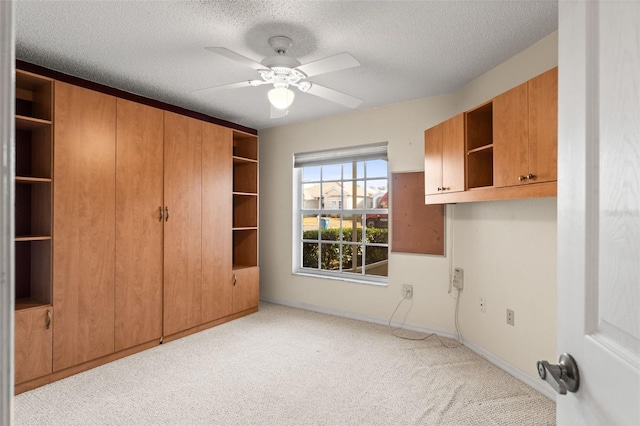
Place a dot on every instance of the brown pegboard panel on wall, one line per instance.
(416, 227)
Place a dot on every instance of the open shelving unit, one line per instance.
(33, 195)
(245, 200)
(479, 146)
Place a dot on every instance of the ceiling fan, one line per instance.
(283, 71)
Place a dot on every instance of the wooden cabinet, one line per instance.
(525, 132)
(33, 341)
(139, 224)
(152, 213)
(246, 291)
(83, 225)
(444, 156)
(217, 219)
(510, 146)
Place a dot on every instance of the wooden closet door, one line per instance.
(83, 225)
(139, 192)
(217, 208)
(183, 224)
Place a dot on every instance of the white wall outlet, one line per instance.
(407, 291)
(511, 320)
(483, 305)
(458, 278)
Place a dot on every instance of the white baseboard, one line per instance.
(537, 384)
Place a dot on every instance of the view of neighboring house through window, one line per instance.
(343, 213)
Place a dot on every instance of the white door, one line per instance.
(599, 209)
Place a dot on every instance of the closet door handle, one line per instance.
(47, 319)
(234, 280)
(160, 214)
(166, 214)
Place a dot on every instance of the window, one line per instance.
(342, 220)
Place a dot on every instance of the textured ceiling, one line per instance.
(407, 49)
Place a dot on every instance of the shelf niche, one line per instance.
(479, 146)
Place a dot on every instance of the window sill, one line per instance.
(381, 282)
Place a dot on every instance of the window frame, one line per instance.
(299, 212)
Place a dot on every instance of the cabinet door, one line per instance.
(33, 343)
(510, 137)
(543, 126)
(217, 205)
(84, 225)
(246, 288)
(183, 224)
(433, 160)
(453, 154)
(139, 191)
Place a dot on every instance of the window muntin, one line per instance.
(343, 219)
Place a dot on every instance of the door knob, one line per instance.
(563, 376)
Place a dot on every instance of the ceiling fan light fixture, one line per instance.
(281, 97)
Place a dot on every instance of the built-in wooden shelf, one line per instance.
(29, 179)
(480, 148)
(30, 123)
(33, 237)
(28, 303)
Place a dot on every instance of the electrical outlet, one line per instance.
(458, 278)
(483, 305)
(511, 317)
(407, 291)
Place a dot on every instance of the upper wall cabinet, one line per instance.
(444, 156)
(525, 132)
(510, 146)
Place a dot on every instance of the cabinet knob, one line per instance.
(439, 189)
(521, 178)
(166, 214)
(234, 280)
(160, 214)
(530, 176)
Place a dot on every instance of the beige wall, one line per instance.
(507, 248)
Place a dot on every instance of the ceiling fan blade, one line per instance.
(337, 62)
(278, 113)
(334, 96)
(230, 86)
(223, 51)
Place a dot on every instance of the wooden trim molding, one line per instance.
(77, 81)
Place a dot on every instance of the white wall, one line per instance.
(507, 248)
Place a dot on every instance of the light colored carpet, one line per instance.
(284, 366)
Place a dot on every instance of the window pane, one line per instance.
(347, 170)
(330, 228)
(310, 226)
(359, 170)
(310, 255)
(377, 168)
(311, 196)
(330, 257)
(311, 173)
(349, 223)
(376, 261)
(377, 189)
(352, 201)
(332, 172)
(331, 195)
(352, 258)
